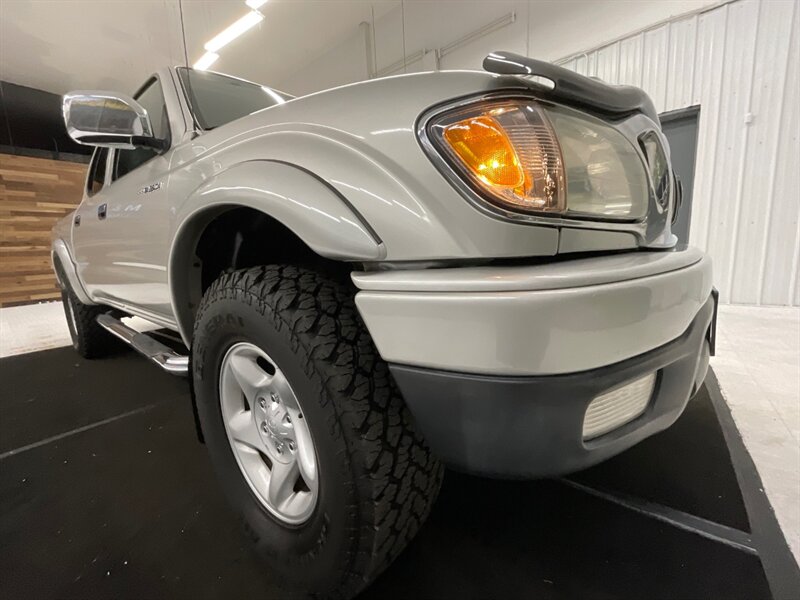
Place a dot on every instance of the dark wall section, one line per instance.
(31, 125)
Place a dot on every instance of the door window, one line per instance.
(152, 100)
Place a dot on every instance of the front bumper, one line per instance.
(533, 426)
(499, 364)
(560, 317)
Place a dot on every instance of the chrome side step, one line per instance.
(164, 356)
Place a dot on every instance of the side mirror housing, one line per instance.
(109, 120)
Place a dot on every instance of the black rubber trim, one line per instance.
(533, 426)
(573, 88)
(712, 331)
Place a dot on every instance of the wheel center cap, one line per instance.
(277, 428)
(278, 421)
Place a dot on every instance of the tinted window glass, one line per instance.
(217, 99)
(97, 171)
(152, 99)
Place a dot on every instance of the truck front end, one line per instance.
(535, 367)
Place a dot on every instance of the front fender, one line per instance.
(362, 141)
(314, 211)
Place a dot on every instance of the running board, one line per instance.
(164, 356)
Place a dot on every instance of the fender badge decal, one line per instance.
(150, 188)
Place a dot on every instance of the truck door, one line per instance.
(86, 233)
(130, 244)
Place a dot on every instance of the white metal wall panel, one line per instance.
(740, 63)
(680, 78)
(630, 60)
(708, 94)
(654, 69)
(757, 198)
(581, 65)
(591, 65)
(571, 64)
(729, 161)
(608, 63)
(780, 273)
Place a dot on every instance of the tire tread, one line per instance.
(91, 340)
(396, 476)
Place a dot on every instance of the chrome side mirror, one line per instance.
(109, 120)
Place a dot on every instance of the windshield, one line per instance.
(217, 99)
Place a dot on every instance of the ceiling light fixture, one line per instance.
(208, 59)
(255, 4)
(226, 36)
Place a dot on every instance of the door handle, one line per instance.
(102, 211)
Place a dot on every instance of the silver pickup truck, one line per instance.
(465, 268)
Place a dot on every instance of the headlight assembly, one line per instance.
(525, 156)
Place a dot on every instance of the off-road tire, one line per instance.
(89, 339)
(378, 479)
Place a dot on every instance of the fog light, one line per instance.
(615, 408)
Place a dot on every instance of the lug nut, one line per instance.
(273, 396)
(262, 403)
(291, 446)
(264, 427)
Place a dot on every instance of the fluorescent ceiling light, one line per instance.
(208, 59)
(255, 4)
(231, 33)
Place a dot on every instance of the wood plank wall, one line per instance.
(34, 194)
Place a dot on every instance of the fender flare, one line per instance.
(298, 199)
(61, 253)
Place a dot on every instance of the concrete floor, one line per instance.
(757, 364)
(758, 368)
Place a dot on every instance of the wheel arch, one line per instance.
(261, 210)
(64, 269)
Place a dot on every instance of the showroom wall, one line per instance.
(457, 35)
(715, 54)
(41, 179)
(737, 60)
(34, 194)
(740, 64)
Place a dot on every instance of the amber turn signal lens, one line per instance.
(485, 149)
(508, 150)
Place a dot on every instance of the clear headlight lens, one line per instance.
(525, 156)
(605, 174)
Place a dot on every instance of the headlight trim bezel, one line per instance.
(652, 230)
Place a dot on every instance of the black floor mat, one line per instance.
(686, 467)
(127, 507)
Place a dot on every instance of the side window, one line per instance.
(97, 171)
(152, 99)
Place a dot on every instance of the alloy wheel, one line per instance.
(268, 433)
